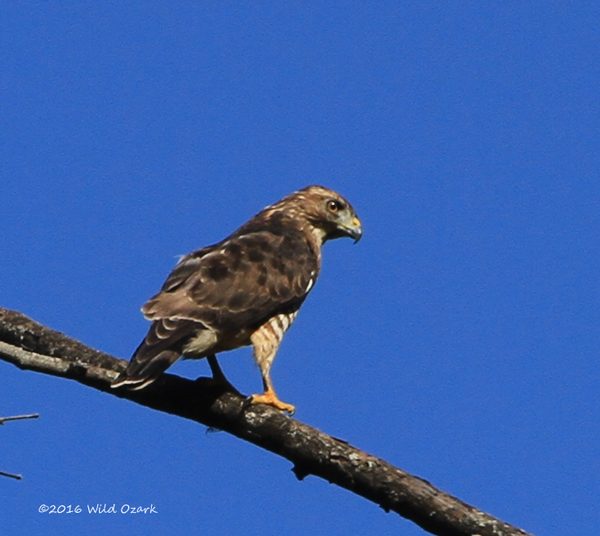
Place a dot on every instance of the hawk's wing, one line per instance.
(238, 283)
(225, 289)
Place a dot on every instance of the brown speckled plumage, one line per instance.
(246, 289)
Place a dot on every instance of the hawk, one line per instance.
(245, 290)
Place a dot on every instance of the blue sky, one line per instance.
(458, 340)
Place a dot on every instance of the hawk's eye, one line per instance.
(334, 206)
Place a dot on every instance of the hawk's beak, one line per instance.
(353, 229)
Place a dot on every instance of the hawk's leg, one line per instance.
(265, 341)
(218, 375)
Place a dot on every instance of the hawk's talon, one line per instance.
(269, 398)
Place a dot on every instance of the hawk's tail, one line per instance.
(162, 346)
(143, 369)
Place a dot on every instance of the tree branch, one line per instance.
(19, 417)
(11, 475)
(16, 418)
(31, 346)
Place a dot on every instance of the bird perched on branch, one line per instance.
(244, 290)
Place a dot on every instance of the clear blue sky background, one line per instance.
(459, 339)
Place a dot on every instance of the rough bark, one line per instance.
(31, 346)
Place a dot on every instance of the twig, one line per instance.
(19, 417)
(16, 418)
(11, 475)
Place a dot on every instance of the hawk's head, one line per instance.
(327, 212)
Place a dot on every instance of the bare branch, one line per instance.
(16, 418)
(19, 417)
(11, 475)
(29, 345)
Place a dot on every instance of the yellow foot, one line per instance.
(270, 399)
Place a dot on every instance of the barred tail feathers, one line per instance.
(144, 368)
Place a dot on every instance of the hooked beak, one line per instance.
(353, 229)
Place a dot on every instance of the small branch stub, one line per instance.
(16, 418)
(11, 475)
(19, 417)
